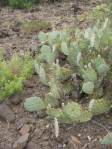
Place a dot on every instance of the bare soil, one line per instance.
(12, 38)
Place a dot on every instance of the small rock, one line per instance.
(15, 99)
(28, 84)
(21, 142)
(25, 129)
(32, 145)
(6, 113)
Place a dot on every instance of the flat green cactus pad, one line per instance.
(107, 140)
(34, 104)
(88, 87)
(99, 106)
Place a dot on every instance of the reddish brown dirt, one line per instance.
(77, 136)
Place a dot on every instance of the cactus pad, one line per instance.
(88, 87)
(34, 104)
(99, 106)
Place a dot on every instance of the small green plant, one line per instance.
(97, 14)
(35, 26)
(12, 74)
(21, 4)
(107, 140)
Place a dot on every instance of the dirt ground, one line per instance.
(12, 38)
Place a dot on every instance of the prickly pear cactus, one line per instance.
(74, 50)
(68, 88)
(64, 48)
(101, 66)
(70, 113)
(107, 140)
(99, 106)
(58, 113)
(60, 73)
(55, 89)
(88, 87)
(89, 74)
(47, 54)
(85, 116)
(50, 99)
(34, 104)
(62, 54)
(42, 37)
(42, 74)
(73, 111)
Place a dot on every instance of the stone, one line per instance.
(21, 142)
(25, 129)
(6, 113)
(15, 99)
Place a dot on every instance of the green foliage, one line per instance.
(107, 140)
(13, 73)
(102, 11)
(21, 4)
(35, 26)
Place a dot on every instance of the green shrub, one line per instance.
(21, 4)
(12, 74)
(35, 26)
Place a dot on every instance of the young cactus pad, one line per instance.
(90, 75)
(88, 87)
(34, 104)
(72, 112)
(42, 37)
(99, 106)
(39, 68)
(64, 48)
(50, 99)
(47, 54)
(101, 66)
(107, 140)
